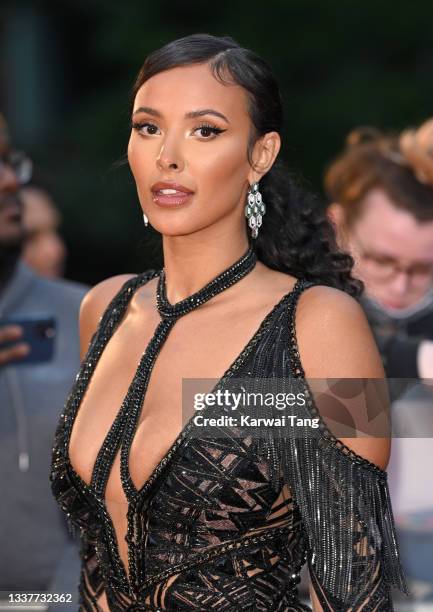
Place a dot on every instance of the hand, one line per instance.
(9, 333)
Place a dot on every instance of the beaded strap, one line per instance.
(233, 369)
(224, 280)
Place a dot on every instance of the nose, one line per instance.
(170, 156)
(400, 283)
(8, 179)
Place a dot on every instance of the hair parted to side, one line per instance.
(400, 165)
(296, 236)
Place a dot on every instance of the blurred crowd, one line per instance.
(39, 357)
(379, 193)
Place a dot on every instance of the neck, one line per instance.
(190, 263)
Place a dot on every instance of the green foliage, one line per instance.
(340, 64)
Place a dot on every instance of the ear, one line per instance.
(263, 155)
(337, 215)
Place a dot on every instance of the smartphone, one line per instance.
(39, 332)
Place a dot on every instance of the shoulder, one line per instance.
(101, 294)
(95, 302)
(330, 323)
(97, 299)
(335, 341)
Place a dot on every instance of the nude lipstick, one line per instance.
(170, 195)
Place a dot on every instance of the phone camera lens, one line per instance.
(46, 331)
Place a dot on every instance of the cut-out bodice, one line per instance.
(218, 524)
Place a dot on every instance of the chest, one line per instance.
(197, 346)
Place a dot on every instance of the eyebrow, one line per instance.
(148, 110)
(190, 115)
(206, 111)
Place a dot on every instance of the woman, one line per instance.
(175, 521)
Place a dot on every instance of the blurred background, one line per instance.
(67, 69)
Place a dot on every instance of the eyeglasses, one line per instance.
(385, 268)
(21, 165)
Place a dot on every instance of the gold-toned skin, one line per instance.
(200, 239)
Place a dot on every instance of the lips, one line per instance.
(393, 305)
(170, 194)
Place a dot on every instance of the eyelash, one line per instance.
(204, 126)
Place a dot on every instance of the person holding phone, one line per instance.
(39, 353)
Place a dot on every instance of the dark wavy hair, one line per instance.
(296, 236)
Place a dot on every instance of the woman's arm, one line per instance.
(335, 342)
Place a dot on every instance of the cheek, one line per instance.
(134, 156)
(139, 158)
(221, 173)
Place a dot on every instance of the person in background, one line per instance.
(36, 551)
(381, 201)
(44, 250)
(380, 190)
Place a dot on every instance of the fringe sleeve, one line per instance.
(345, 507)
(344, 500)
(353, 554)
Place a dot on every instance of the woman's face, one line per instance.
(188, 151)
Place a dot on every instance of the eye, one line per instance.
(206, 131)
(145, 128)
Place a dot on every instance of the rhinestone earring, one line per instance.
(254, 209)
(146, 220)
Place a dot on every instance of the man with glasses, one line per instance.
(36, 551)
(399, 294)
(381, 194)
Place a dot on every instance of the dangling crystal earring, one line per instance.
(146, 220)
(254, 209)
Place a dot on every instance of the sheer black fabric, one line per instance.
(226, 523)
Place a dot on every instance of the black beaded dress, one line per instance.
(224, 523)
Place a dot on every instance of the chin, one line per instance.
(172, 229)
(178, 225)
